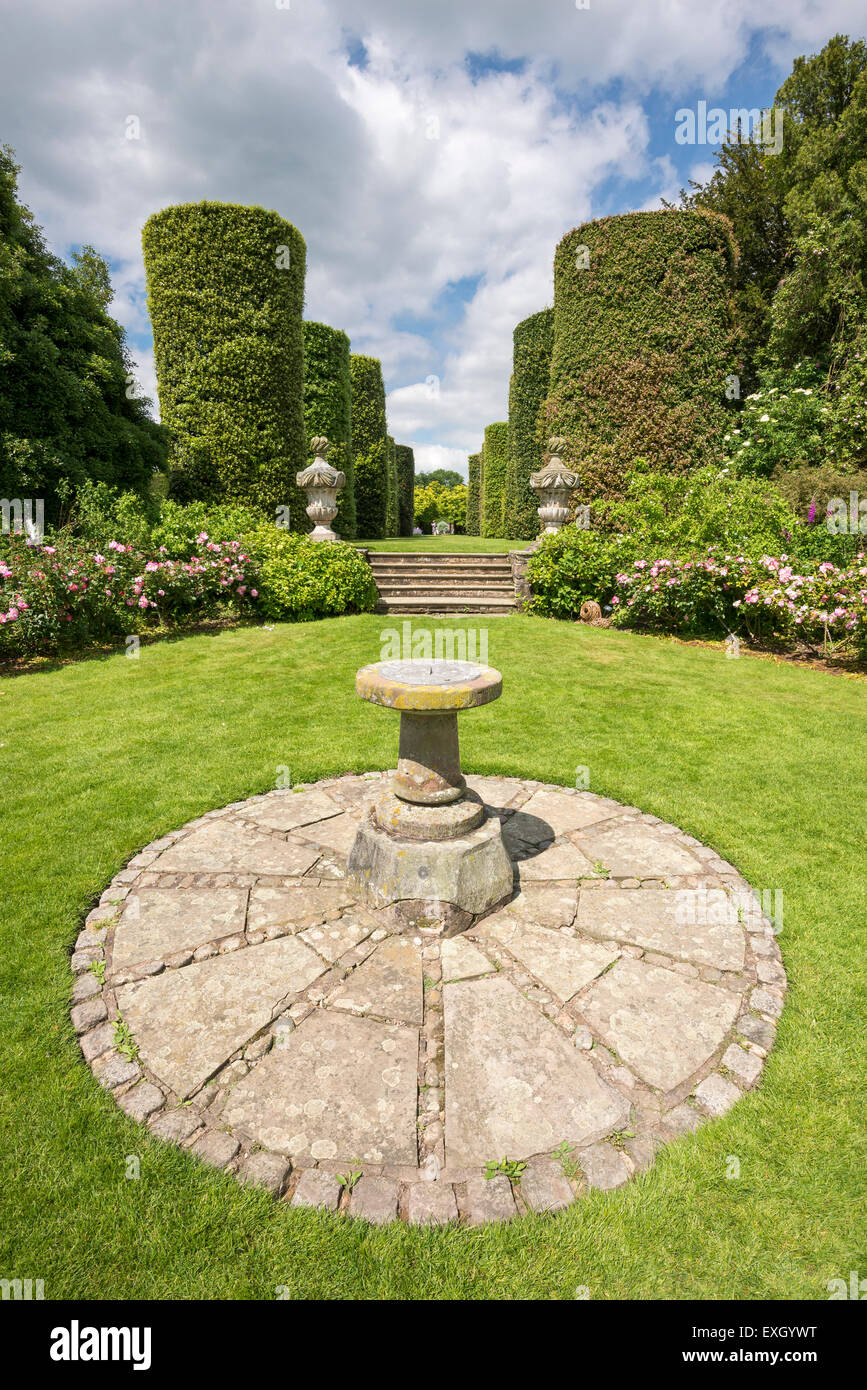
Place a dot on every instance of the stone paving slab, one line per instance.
(322, 1033)
(337, 834)
(156, 922)
(659, 920)
(546, 904)
(288, 810)
(339, 1087)
(514, 1084)
(188, 1022)
(224, 847)
(561, 962)
(334, 939)
(296, 906)
(388, 984)
(664, 1026)
(562, 861)
(632, 849)
(462, 961)
(564, 812)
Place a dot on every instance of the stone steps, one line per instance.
(414, 582)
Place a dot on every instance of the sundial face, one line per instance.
(422, 672)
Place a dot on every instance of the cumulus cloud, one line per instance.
(431, 185)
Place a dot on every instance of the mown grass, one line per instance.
(764, 761)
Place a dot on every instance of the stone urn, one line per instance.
(322, 483)
(554, 484)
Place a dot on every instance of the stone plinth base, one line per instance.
(409, 820)
(473, 872)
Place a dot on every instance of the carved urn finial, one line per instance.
(322, 483)
(554, 483)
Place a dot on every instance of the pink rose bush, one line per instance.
(765, 599)
(68, 594)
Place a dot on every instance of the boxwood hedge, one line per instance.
(495, 455)
(225, 294)
(644, 340)
(528, 390)
(474, 466)
(405, 488)
(328, 409)
(369, 446)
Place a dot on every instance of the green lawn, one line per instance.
(447, 545)
(763, 760)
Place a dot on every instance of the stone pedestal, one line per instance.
(427, 839)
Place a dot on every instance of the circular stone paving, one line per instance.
(250, 1009)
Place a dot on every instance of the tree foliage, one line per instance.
(68, 407)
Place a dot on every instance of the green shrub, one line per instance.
(574, 566)
(328, 409)
(225, 294)
(643, 342)
(676, 514)
(178, 529)
(303, 579)
(495, 456)
(405, 488)
(474, 463)
(528, 390)
(369, 446)
(392, 523)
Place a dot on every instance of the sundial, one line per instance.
(426, 839)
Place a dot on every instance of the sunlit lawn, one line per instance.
(762, 760)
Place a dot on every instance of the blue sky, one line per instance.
(432, 156)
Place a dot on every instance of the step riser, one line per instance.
(458, 562)
(501, 576)
(408, 606)
(471, 595)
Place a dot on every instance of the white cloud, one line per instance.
(405, 176)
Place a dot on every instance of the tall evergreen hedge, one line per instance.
(474, 475)
(369, 446)
(328, 409)
(392, 523)
(225, 295)
(643, 342)
(495, 457)
(405, 459)
(528, 390)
